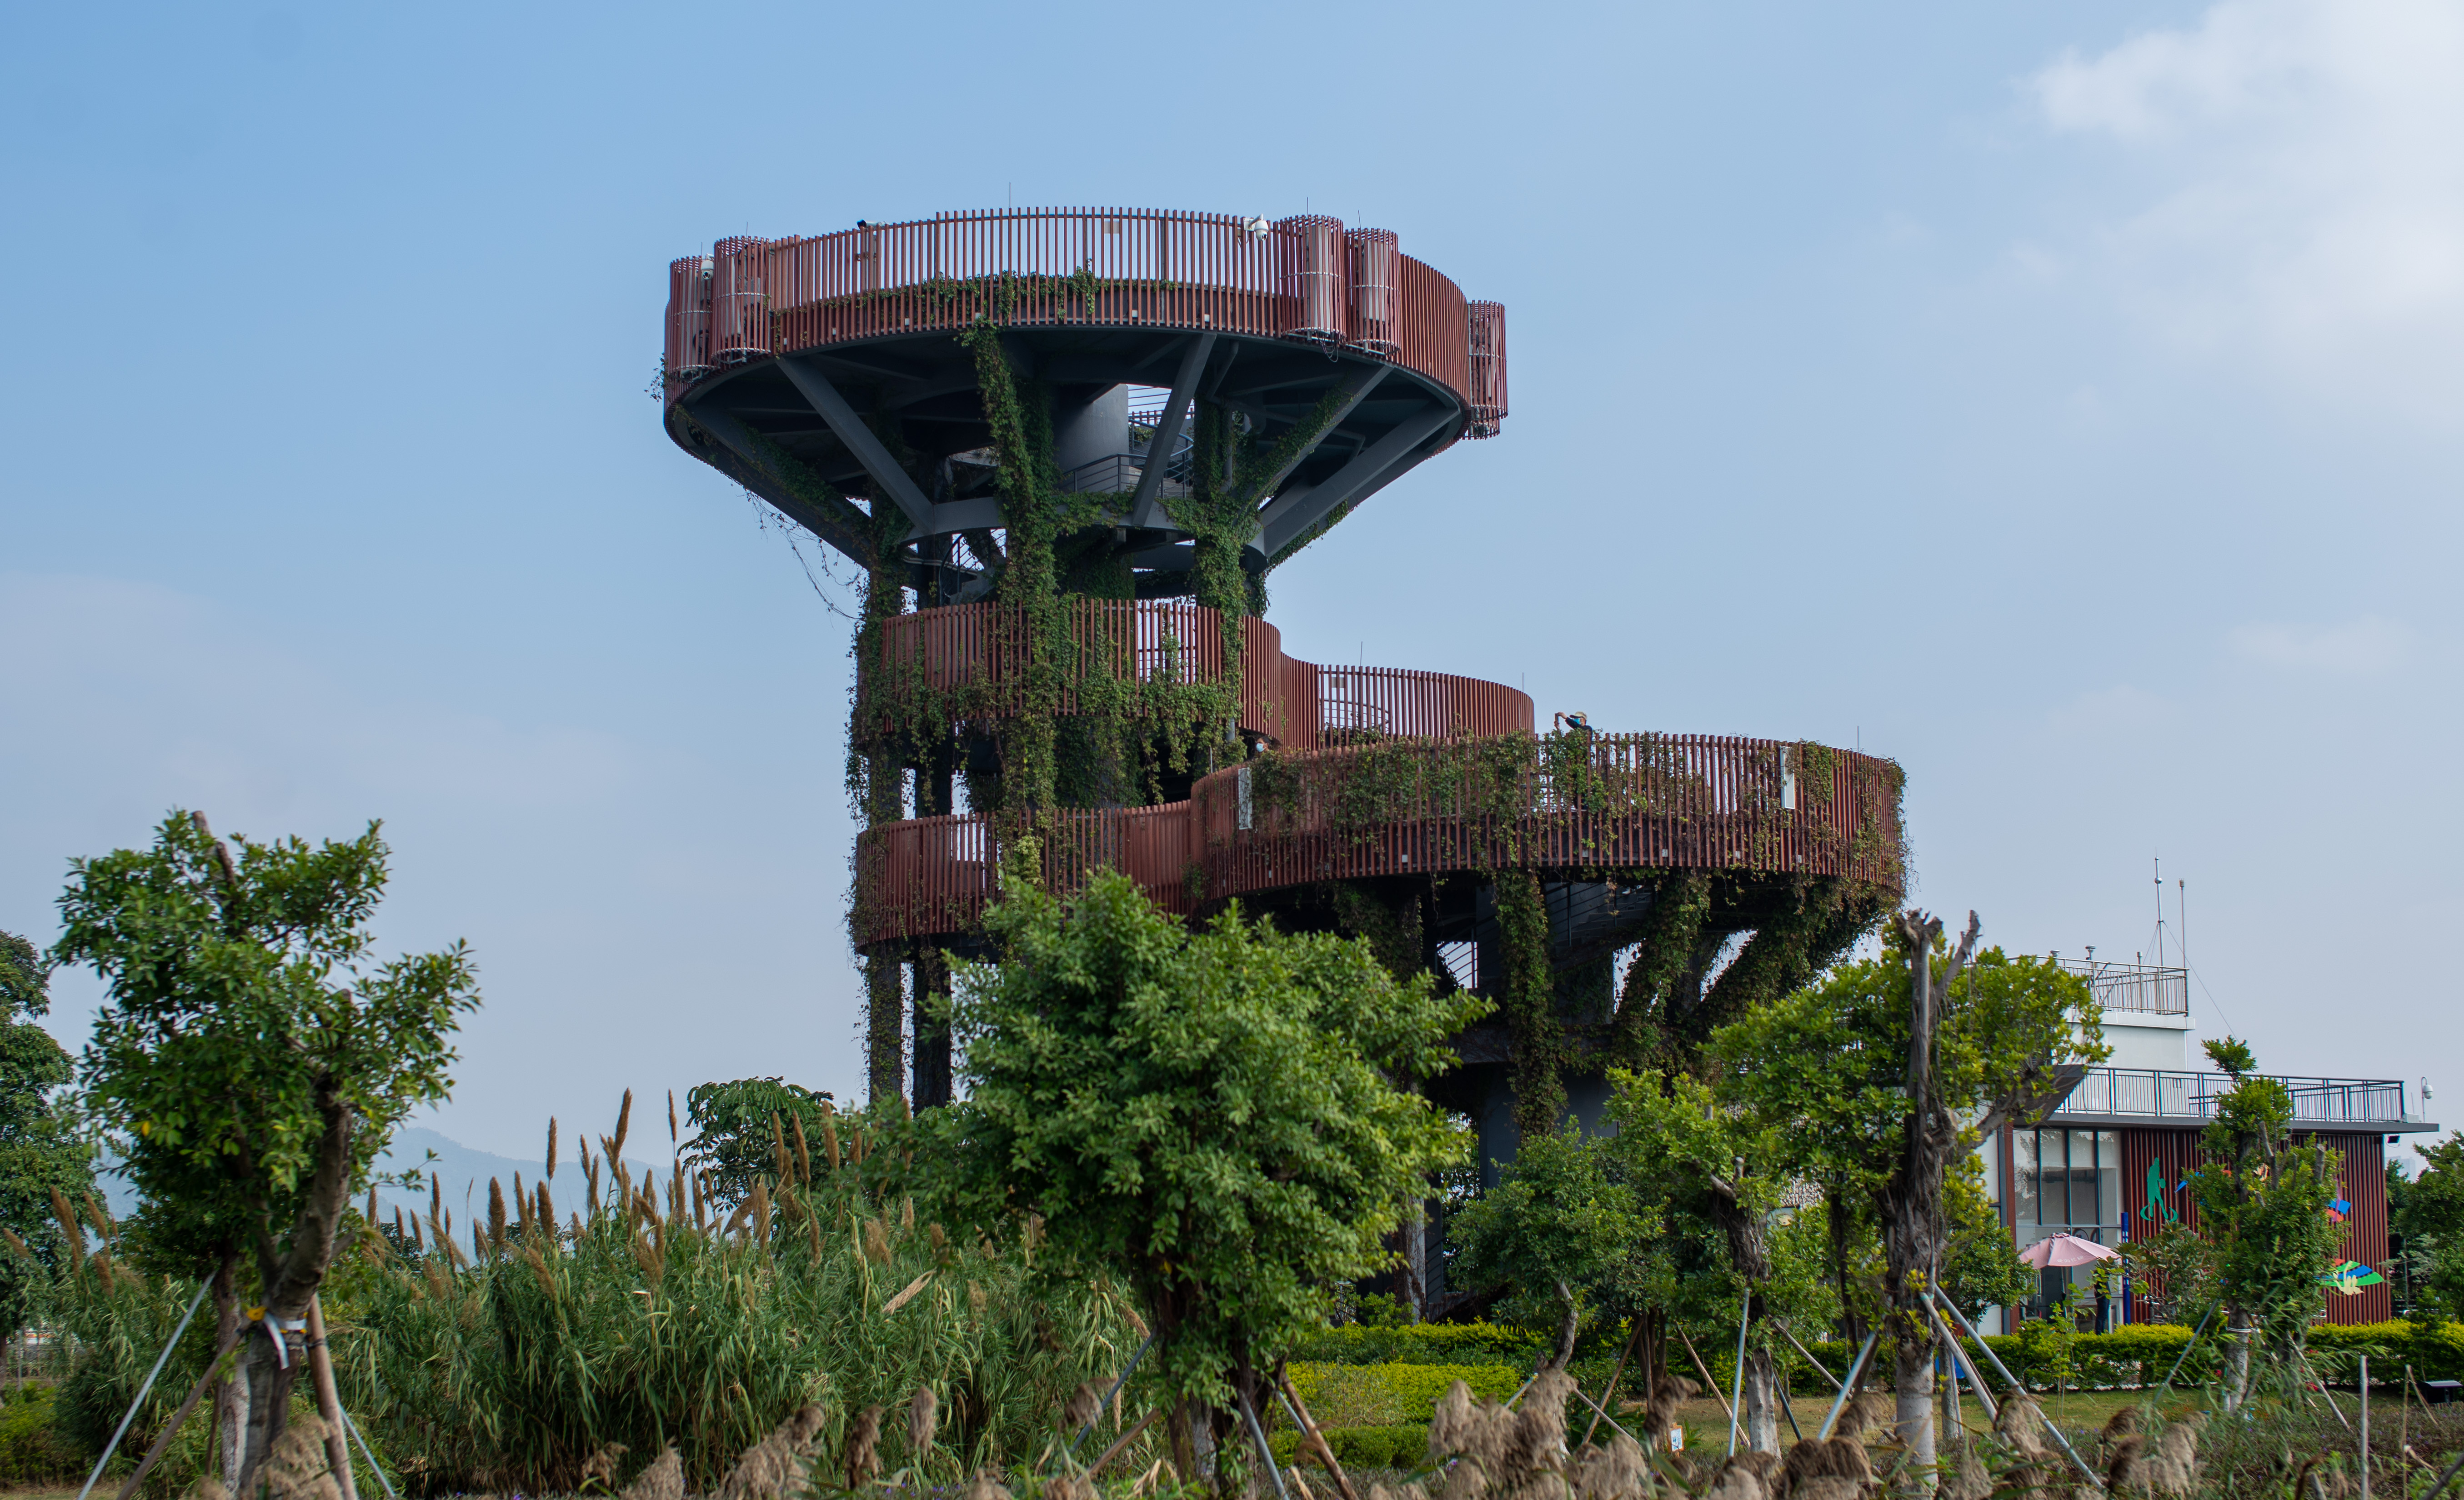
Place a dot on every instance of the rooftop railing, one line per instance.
(2144, 988)
(2153, 1094)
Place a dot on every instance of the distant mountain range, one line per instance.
(463, 1170)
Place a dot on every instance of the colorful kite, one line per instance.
(2336, 1211)
(2347, 1278)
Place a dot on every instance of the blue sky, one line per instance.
(2063, 399)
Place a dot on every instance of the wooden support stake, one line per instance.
(1308, 1427)
(329, 1402)
(154, 1454)
(1705, 1371)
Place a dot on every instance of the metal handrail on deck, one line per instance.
(1301, 277)
(2156, 1094)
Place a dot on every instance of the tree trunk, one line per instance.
(231, 1393)
(2239, 1335)
(1914, 1382)
(1567, 1328)
(1762, 1396)
(269, 1382)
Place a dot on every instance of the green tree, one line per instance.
(40, 1154)
(2263, 1208)
(2430, 1215)
(1561, 1230)
(1888, 1073)
(739, 1126)
(251, 1058)
(1210, 1116)
(1712, 1154)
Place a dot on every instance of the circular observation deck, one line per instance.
(1475, 795)
(788, 362)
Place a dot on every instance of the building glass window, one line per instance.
(2069, 1182)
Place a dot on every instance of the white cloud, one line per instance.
(2304, 197)
(2362, 648)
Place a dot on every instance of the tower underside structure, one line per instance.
(1068, 447)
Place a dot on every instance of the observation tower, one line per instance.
(1069, 446)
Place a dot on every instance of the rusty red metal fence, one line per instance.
(1487, 360)
(981, 650)
(1299, 278)
(1693, 802)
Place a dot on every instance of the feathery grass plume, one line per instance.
(676, 1196)
(210, 1488)
(590, 1173)
(1408, 1490)
(103, 1271)
(830, 1136)
(774, 1468)
(940, 1240)
(1743, 1476)
(2019, 1425)
(1969, 1480)
(436, 1196)
(647, 1255)
(547, 1212)
(803, 1155)
(103, 1227)
(551, 1145)
(860, 1146)
(2125, 1471)
(601, 1466)
(761, 1213)
(372, 1205)
(576, 1227)
(16, 1244)
(923, 1420)
(906, 1216)
(985, 1486)
(418, 1241)
(1868, 1410)
(496, 1214)
(876, 1243)
(438, 1286)
(537, 1263)
(1082, 1407)
(1449, 1424)
(1618, 1471)
(813, 1225)
(296, 1469)
(1540, 1431)
(521, 1208)
(663, 1480)
(69, 1227)
(783, 1161)
(624, 1126)
(861, 1456)
(2322, 1478)
(480, 1247)
(2176, 1468)
(1827, 1468)
(673, 1138)
(976, 1299)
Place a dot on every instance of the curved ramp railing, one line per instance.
(1693, 802)
(980, 653)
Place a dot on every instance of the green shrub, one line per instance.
(32, 1451)
(1400, 1445)
(1424, 1343)
(1383, 1395)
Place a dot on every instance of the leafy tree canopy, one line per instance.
(739, 1127)
(40, 1154)
(1563, 1230)
(1212, 1116)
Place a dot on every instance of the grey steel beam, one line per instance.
(1145, 504)
(849, 430)
(1355, 386)
(1289, 515)
(832, 517)
(955, 515)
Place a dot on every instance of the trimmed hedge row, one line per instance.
(1379, 1394)
(1398, 1446)
(2140, 1354)
(1422, 1343)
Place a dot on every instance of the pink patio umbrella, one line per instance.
(2066, 1249)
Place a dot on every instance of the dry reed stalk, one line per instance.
(761, 1213)
(624, 1127)
(297, 1468)
(906, 1216)
(601, 1466)
(863, 1453)
(923, 1420)
(663, 1480)
(539, 1268)
(103, 1271)
(521, 1209)
(775, 1467)
(983, 1487)
(103, 1227)
(862, 1145)
(546, 1211)
(372, 1206)
(675, 1198)
(496, 1214)
(435, 1197)
(1620, 1471)
(16, 1244)
(701, 1222)
(674, 1140)
(1744, 1476)
(69, 1228)
(1082, 1407)
(803, 1155)
(551, 1145)
(876, 1243)
(1969, 1481)
(647, 1255)
(830, 1137)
